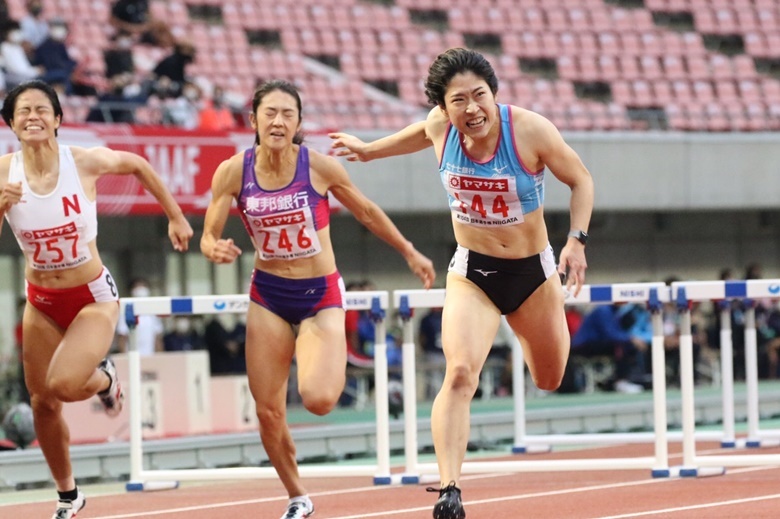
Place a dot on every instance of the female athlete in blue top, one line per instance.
(492, 159)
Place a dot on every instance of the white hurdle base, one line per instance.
(169, 479)
(538, 443)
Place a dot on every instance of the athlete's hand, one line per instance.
(422, 267)
(224, 251)
(10, 195)
(348, 146)
(572, 265)
(180, 232)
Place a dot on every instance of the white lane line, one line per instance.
(693, 507)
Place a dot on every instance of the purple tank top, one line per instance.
(283, 222)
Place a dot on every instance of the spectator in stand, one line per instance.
(35, 29)
(133, 16)
(52, 54)
(429, 338)
(622, 332)
(18, 68)
(216, 115)
(118, 57)
(184, 111)
(118, 104)
(149, 328)
(170, 73)
(183, 337)
(226, 349)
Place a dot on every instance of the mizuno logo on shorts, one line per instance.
(485, 273)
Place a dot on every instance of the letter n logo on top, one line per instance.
(68, 204)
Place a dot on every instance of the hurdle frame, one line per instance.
(149, 479)
(652, 294)
(685, 293)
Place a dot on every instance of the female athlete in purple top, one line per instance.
(491, 159)
(281, 188)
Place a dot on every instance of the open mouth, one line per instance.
(477, 123)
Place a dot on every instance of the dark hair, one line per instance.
(455, 61)
(9, 104)
(283, 86)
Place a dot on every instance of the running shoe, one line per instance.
(299, 509)
(113, 397)
(67, 509)
(449, 505)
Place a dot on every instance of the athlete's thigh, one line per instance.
(270, 344)
(86, 341)
(469, 323)
(321, 350)
(540, 324)
(40, 338)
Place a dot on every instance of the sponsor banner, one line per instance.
(185, 160)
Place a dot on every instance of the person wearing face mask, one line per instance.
(171, 70)
(118, 57)
(18, 68)
(35, 29)
(149, 328)
(53, 56)
(216, 115)
(183, 336)
(184, 111)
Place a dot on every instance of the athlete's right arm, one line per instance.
(411, 139)
(225, 187)
(10, 193)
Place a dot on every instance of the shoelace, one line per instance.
(63, 507)
(449, 488)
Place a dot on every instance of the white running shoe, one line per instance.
(112, 398)
(299, 508)
(629, 388)
(69, 509)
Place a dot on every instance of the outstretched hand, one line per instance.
(572, 265)
(349, 147)
(422, 267)
(224, 251)
(10, 195)
(180, 232)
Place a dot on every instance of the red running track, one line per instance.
(741, 493)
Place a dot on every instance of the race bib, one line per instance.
(484, 202)
(286, 236)
(55, 248)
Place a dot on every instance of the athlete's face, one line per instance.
(34, 117)
(470, 105)
(277, 119)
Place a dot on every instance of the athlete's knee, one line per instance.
(549, 379)
(270, 416)
(43, 405)
(462, 377)
(319, 402)
(64, 389)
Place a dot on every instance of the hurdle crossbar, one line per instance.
(686, 292)
(142, 479)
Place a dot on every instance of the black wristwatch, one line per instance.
(581, 236)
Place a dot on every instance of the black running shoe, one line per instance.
(449, 505)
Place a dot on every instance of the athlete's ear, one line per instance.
(253, 120)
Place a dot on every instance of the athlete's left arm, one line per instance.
(335, 177)
(552, 151)
(104, 161)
